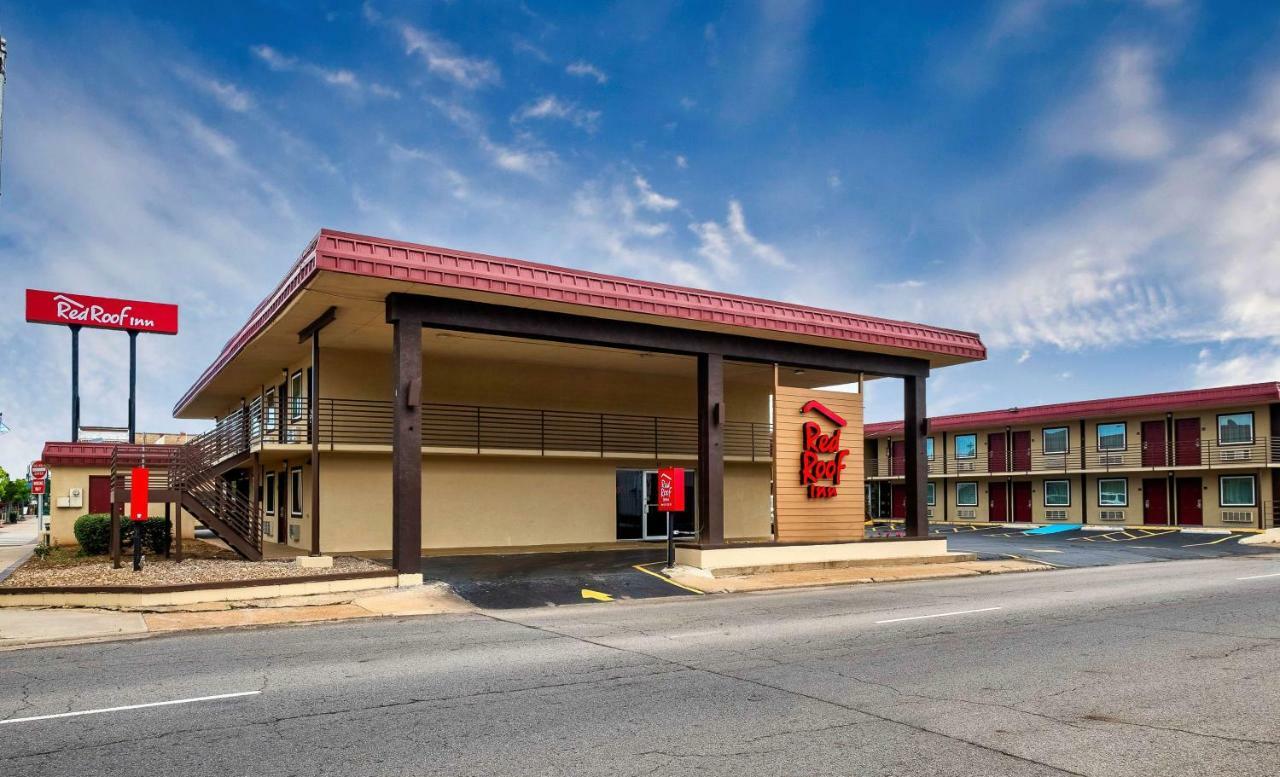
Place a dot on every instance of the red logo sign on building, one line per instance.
(671, 490)
(54, 307)
(821, 458)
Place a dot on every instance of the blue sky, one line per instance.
(1093, 186)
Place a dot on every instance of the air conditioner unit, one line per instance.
(1055, 515)
(964, 466)
(969, 513)
(1237, 516)
(268, 529)
(295, 532)
(1111, 459)
(1237, 455)
(929, 512)
(1111, 515)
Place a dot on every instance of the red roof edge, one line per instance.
(347, 252)
(77, 454)
(1220, 396)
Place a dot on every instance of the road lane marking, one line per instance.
(938, 615)
(1210, 542)
(666, 579)
(599, 596)
(1257, 577)
(132, 707)
(1041, 550)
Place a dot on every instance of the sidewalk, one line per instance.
(17, 541)
(28, 627)
(769, 581)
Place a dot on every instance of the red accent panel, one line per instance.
(997, 461)
(898, 495)
(56, 307)
(139, 491)
(1022, 501)
(1190, 504)
(1022, 451)
(1186, 441)
(1155, 501)
(1153, 444)
(99, 493)
(997, 502)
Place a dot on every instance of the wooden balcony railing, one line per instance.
(479, 429)
(1204, 454)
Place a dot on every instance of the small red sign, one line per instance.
(671, 490)
(38, 486)
(39, 470)
(56, 307)
(815, 445)
(138, 497)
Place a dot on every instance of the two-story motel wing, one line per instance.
(1207, 457)
(388, 395)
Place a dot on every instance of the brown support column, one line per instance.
(168, 520)
(711, 448)
(314, 431)
(115, 533)
(917, 469)
(406, 445)
(177, 525)
(254, 480)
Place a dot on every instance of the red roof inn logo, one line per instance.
(814, 468)
(51, 307)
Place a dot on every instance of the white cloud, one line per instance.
(339, 77)
(230, 96)
(719, 244)
(682, 162)
(552, 107)
(834, 182)
(584, 69)
(444, 59)
(1120, 117)
(1258, 362)
(526, 159)
(651, 200)
(1023, 357)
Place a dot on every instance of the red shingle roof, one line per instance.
(1224, 396)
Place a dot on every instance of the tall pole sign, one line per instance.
(671, 500)
(75, 311)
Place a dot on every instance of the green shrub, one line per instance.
(93, 532)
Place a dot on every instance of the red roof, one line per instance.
(345, 252)
(1224, 396)
(78, 454)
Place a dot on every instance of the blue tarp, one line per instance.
(1055, 529)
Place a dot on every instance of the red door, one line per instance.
(99, 494)
(1153, 444)
(1186, 442)
(1155, 501)
(1022, 501)
(899, 502)
(1190, 507)
(1022, 452)
(997, 504)
(897, 458)
(996, 459)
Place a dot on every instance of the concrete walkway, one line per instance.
(17, 541)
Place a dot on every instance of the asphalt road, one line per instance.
(1140, 669)
(1098, 548)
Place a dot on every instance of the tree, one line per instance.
(14, 494)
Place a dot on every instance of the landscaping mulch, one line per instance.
(203, 563)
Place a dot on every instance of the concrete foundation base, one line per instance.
(314, 562)
(749, 559)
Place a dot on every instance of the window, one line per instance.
(1055, 440)
(967, 494)
(1112, 437)
(1235, 429)
(928, 448)
(269, 493)
(1237, 491)
(297, 401)
(930, 495)
(1057, 493)
(295, 491)
(271, 409)
(1113, 492)
(967, 447)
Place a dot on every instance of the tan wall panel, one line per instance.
(799, 517)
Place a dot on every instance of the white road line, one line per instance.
(131, 707)
(1040, 550)
(1256, 577)
(938, 615)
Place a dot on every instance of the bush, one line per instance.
(93, 532)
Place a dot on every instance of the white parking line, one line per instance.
(1256, 577)
(131, 707)
(938, 615)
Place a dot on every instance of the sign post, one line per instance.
(138, 504)
(39, 474)
(671, 500)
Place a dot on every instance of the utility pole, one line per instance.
(4, 55)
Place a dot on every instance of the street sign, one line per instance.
(38, 486)
(56, 307)
(671, 490)
(39, 471)
(138, 496)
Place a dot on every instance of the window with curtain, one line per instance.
(1057, 493)
(1113, 492)
(1237, 491)
(1111, 437)
(967, 494)
(929, 493)
(1055, 440)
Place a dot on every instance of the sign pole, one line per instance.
(671, 543)
(133, 384)
(40, 516)
(75, 382)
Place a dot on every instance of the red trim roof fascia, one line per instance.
(1223, 396)
(77, 454)
(356, 254)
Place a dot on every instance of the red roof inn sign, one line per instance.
(76, 311)
(50, 307)
(814, 467)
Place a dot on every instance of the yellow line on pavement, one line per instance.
(666, 579)
(1211, 542)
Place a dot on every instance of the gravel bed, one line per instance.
(166, 572)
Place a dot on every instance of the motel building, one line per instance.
(398, 399)
(1203, 458)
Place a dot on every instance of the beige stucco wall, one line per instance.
(62, 519)
(493, 501)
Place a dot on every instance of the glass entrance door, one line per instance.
(655, 523)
